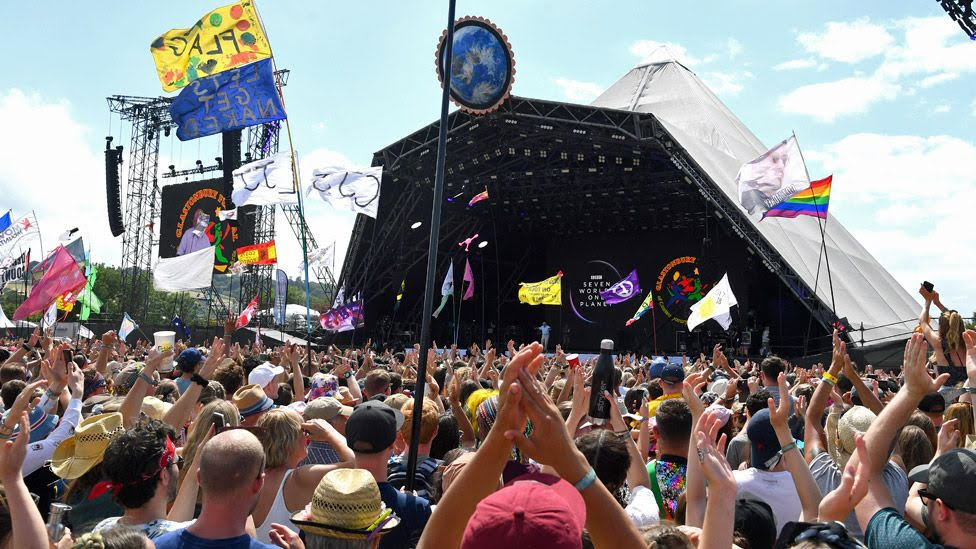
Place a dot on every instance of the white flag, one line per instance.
(50, 315)
(354, 190)
(773, 177)
(185, 272)
(264, 182)
(322, 257)
(228, 214)
(84, 332)
(715, 305)
(18, 232)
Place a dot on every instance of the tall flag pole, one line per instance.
(822, 223)
(435, 229)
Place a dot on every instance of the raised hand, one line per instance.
(12, 453)
(948, 436)
(214, 358)
(918, 382)
(839, 503)
(711, 454)
(969, 337)
(780, 415)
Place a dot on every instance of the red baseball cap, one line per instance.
(533, 510)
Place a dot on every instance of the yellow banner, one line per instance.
(547, 292)
(225, 38)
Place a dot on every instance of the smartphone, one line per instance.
(68, 355)
(928, 286)
(218, 421)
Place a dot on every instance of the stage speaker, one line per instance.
(113, 187)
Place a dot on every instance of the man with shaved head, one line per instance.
(231, 476)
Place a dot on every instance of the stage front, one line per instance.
(593, 193)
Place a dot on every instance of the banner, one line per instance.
(469, 278)
(357, 191)
(266, 182)
(13, 237)
(281, 296)
(773, 177)
(812, 201)
(245, 317)
(128, 326)
(187, 272)
(258, 254)
(50, 317)
(63, 276)
(89, 301)
(343, 319)
(322, 257)
(16, 271)
(225, 38)
(189, 221)
(715, 305)
(85, 333)
(447, 288)
(623, 290)
(546, 292)
(645, 306)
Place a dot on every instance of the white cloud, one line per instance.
(795, 64)
(66, 192)
(936, 79)
(652, 51)
(579, 92)
(932, 45)
(943, 108)
(828, 101)
(725, 83)
(734, 47)
(902, 198)
(847, 41)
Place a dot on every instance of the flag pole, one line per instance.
(823, 234)
(435, 228)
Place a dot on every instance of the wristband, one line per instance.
(969, 390)
(347, 375)
(586, 481)
(199, 380)
(148, 379)
(830, 378)
(26, 347)
(52, 395)
(771, 462)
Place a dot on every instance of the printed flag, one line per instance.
(812, 201)
(85, 333)
(546, 292)
(322, 257)
(224, 215)
(16, 271)
(483, 195)
(50, 317)
(281, 296)
(128, 326)
(773, 177)
(469, 278)
(447, 288)
(180, 328)
(258, 254)
(343, 319)
(645, 306)
(227, 37)
(354, 190)
(62, 276)
(716, 304)
(5, 221)
(238, 98)
(12, 238)
(265, 182)
(623, 290)
(245, 318)
(185, 272)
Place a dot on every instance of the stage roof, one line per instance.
(720, 143)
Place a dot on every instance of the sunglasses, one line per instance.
(928, 497)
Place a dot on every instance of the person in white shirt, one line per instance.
(40, 452)
(544, 331)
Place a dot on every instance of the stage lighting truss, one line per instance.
(961, 11)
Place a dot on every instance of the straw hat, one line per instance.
(250, 400)
(841, 432)
(346, 505)
(77, 454)
(155, 408)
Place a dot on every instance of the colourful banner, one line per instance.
(343, 319)
(258, 254)
(227, 37)
(546, 292)
(623, 290)
(241, 97)
(63, 276)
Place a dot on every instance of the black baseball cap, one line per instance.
(372, 427)
(932, 403)
(673, 373)
(754, 520)
(951, 477)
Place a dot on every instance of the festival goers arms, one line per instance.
(813, 436)
(29, 532)
(969, 338)
(839, 503)
(924, 321)
(179, 413)
(637, 472)
(109, 340)
(132, 404)
(720, 509)
(186, 499)
(866, 394)
(694, 481)
(291, 355)
(882, 432)
(457, 410)
(25, 348)
(230, 325)
(806, 487)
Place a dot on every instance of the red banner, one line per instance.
(258, 254)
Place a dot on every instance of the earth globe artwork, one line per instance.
(482, 67)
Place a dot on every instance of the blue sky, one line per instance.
(879, 93)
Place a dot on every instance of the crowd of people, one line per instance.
(230, 445)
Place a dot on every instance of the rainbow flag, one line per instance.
(811, 201)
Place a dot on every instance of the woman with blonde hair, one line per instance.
(962, 412)
(288, 487)
(205, 419)
(949, 348)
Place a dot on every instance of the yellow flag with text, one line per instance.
(227, 37)
(546, 292)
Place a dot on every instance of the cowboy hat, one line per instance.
(346, 505)
(77, 454)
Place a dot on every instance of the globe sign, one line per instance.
(482, 67)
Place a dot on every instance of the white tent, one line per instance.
(4, 321)
(720, 143)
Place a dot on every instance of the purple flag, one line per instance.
(623, 290)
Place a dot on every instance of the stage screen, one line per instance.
(189, 222)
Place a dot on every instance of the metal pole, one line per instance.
(435, 229)
(823, 233)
